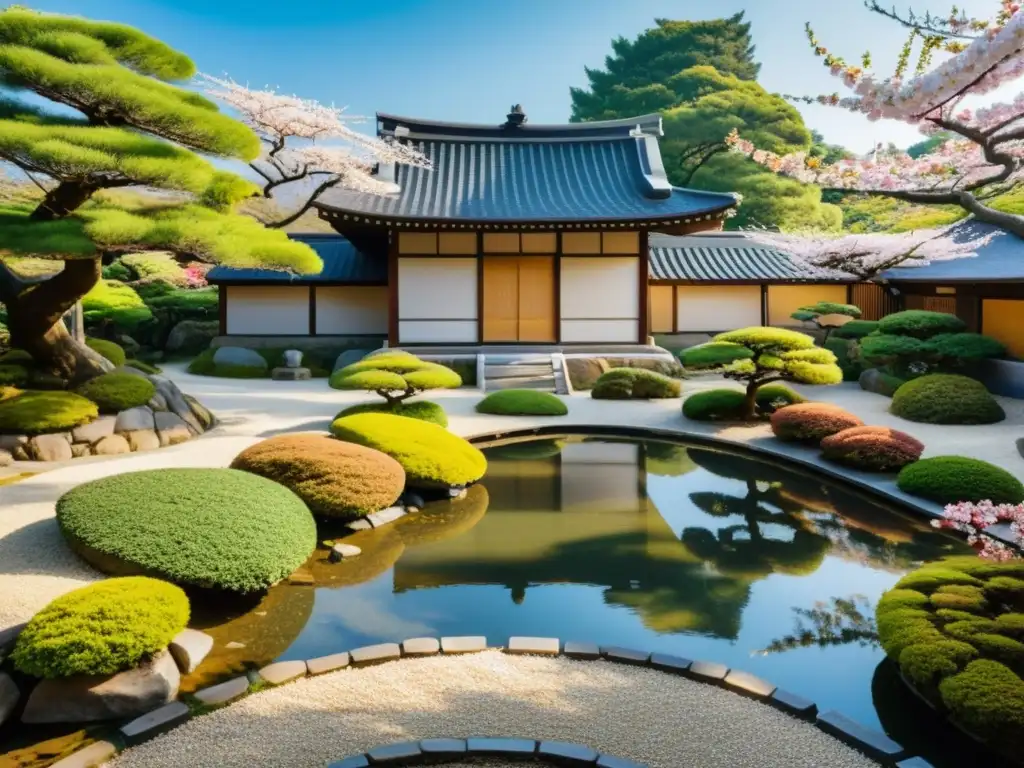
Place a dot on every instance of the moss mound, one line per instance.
(116, 392)
(36, 413)
(522, 402)
(213, 528)
(771, 397)
(970, 667)
(101, 629)
(634, 384)
(811, 422)
(19, 356)
(335, 479)
(878, 449)
(113, 352)
(431, 456)
(713, 354)
(13, 375)
(424, 410)
(951, 479)
(942, 398)
(714, 405)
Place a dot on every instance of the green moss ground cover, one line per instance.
(213, 528)
(35, 413)
(522, 402)
(951, 479)
(116, 392)
(424, 410)
(102, 628)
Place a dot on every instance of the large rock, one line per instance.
(55, 447)
(140, 417)
(584, 371)
(171, 428)
(10, 442)
(874, 380)
(89, 698)
(158, 402)
(239, 356)
(112, 445)
(192, 336)
(201, 412)
(176, 402)
(9, 696)
(129, 345)
(94, 431)
(350, 356)
(142, 440)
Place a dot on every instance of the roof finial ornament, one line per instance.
(516, 116)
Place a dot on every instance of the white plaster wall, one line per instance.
(280, 310)
(437, 289)
(437, 331)
(599, 298)
(351, 310)
(718, 307)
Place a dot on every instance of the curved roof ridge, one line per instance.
(610, 128)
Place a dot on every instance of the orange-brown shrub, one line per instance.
(810, 422)
(334, 478)
(877, 449)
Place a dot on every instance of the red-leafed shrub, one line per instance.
(873, 448)
(811, 422)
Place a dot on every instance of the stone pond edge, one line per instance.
(874, 744)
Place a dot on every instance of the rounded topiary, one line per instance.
(431, 456)
(811, 422)
(941, 398)
(13, 375)
(116, 392)
(634, 384)
(102, 628)
(968, 663)
(771, 397)
(920, 323)
(522, 402)
(16, 356)
(335, 479)
(872, 448)
(113, 352)
(395, 376)
(715, 405)
(713, 354)
(424, 410)
(951, 479)
(855, 329)
(214, 528)
(35, 413)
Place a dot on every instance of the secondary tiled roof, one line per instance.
(725, 257)
(1001, 259)
(549, 175)
(343, 265)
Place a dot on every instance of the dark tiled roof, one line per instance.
(723, 258)
(343, 265)
(543, 174)
(1002, 259)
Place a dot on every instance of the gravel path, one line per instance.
(636, 713)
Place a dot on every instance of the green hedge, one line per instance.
(213, 528)
(101, 629)
(35, 413)
(113, 352)
(424, 410)
(116, 392)
(967, 661)
(855, 329)
(634, 384)
(946, 399)
(431, 456)
(522, 402)
(951, 479)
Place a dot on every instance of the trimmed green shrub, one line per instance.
(12, 375)
(142, 365)
(841, 348)
(811, 422)
(771, 397)
(969, 668)
(335, 479)
(213, 528)
(872, 448)
(431, 456)
(713, 355)
(715, 405)
(951, 479)
(916, 341)
(116, 392)
(920, 324)
(855, 329)
(522, 402)
(831, 308)
(102, 628)
(395, 376)
(424, 410)
(942, 398)
(634, 384)
(108, 349)
(35, 413)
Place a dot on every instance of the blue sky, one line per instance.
(469, 60)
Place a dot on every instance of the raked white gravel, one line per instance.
(636, 713)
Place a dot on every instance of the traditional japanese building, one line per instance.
(518, 234)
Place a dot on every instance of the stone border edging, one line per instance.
(874, 744)
(445, 750)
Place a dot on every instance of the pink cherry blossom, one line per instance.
(973, 518)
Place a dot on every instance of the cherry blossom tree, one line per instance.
(309, 147)
(973, 519)
(984, 157)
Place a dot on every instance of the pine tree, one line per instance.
(120, 121)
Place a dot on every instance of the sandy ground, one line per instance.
(635, 713)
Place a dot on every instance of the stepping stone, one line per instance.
(463, 644)
(395, 754)
(625, 655)
(498, 746)
(748, 684)
(324, 664)
(97, 753)
(709, 671)
(154, 723)
(358, 761)
(540, 646)
(421, 646)
(582, 651)
(341, 552)
(873, 743)
(189, 647)
(568, 754)
(668, 663)
(302, 579)
(914, 762)
(608, 761)
(793, 704)
(374, 654)
(223, 692)
(281, 672)
(385, 516)
(443, 748)
(362, 524)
